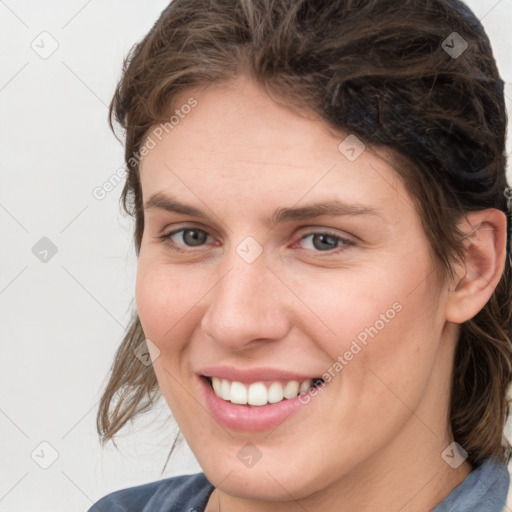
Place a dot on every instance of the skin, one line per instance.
(372, 438)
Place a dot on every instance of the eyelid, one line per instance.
(307, 231)
(310, 230)
(344, 242)
(176, 228)
(166, 238)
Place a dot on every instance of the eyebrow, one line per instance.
(326, 208)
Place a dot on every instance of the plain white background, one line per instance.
(62, 319)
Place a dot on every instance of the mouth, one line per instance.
(260, 393)
(259, 399)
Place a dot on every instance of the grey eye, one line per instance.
(323, 241)
(192, 237)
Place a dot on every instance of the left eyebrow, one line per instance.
(334, 208)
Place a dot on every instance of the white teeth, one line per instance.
(305, 386)
(225, 390)
(238, 393)
(257, 393)
(275, 393)
(291, 389)
(217, 386)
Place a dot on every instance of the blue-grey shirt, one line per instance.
(483, 490)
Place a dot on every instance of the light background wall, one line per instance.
(62, 319)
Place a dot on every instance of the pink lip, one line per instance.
(250, 375)
(246, 417)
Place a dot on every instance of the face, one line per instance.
(250, 287)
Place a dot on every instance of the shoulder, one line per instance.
(186, 493)
(484, 489)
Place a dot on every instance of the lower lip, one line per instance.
(246, 417)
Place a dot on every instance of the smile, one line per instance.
(260, 393)
(257, 399)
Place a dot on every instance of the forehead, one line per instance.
(238, 142)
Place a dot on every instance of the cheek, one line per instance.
(377, 323)
(399, 337)
(150, 300)
(165, 300)
(350, 307)
(164, 297)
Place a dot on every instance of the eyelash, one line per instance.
(344, 241)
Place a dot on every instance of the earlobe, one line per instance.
(481, 270)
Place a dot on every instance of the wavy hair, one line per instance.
(396, 74)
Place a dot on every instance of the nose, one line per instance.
(248, 306)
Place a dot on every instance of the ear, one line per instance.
(480, 271)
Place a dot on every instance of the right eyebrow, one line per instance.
(326, 208)
(164, 202)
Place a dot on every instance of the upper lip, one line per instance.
(248, 375)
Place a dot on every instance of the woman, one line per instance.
(323, 284)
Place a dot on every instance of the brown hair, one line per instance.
(379, 69)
